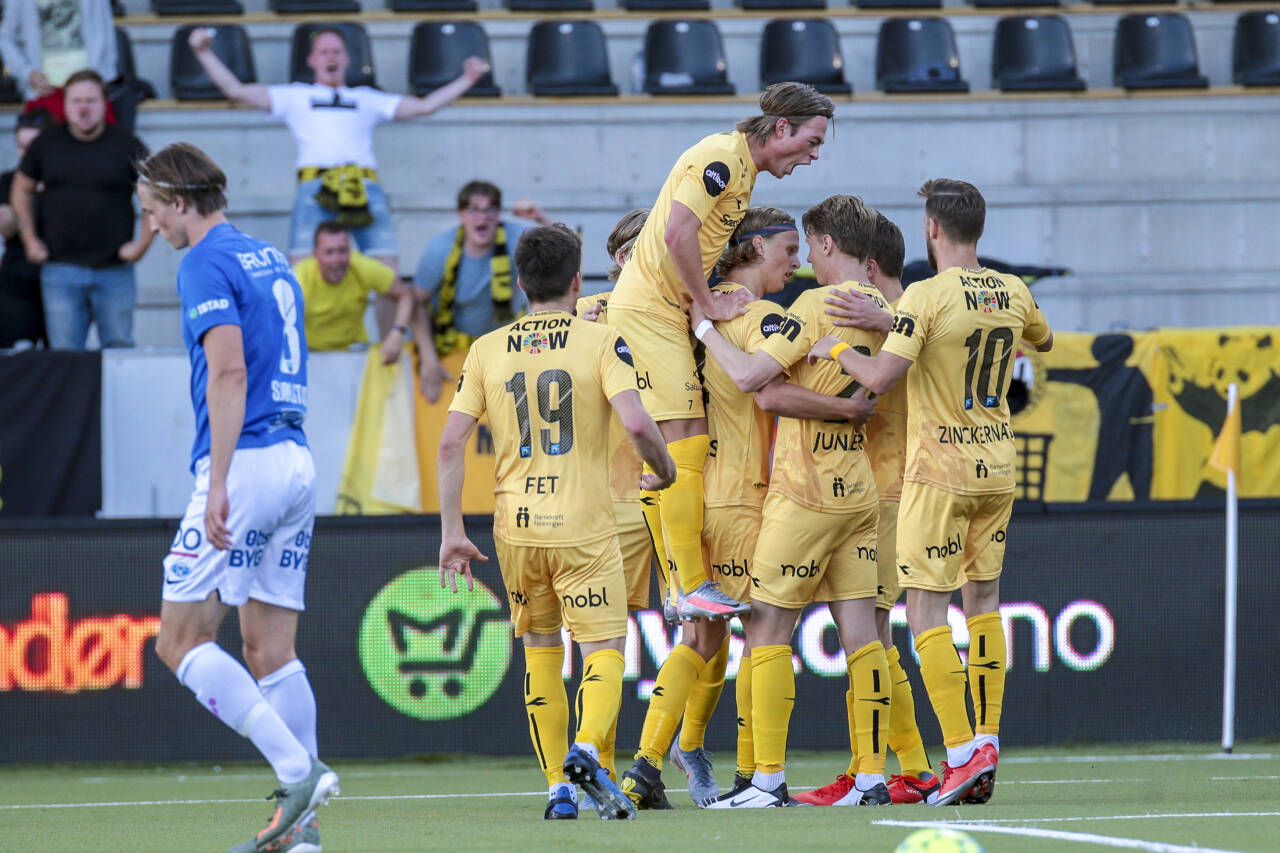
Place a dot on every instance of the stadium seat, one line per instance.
(1256, 54)
(437, 50)
(360, 73)
(1156, 51)
(306, 7)
(9, 92)
(781, 4)
(685, 58)
(126, 69)
(806, 50)
(918, 55)
(432, 5)
(549, 5)
(1021, 3)
(568, 58)
(1034, 53)
(196, 7)
(186, 76)
(666, 5)
(899, 4)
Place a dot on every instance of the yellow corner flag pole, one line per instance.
(1226, 457)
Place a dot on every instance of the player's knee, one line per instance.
(263, 660)
(173, 643)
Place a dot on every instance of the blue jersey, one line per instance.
(230, 278)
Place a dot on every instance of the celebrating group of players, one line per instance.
(872, 484)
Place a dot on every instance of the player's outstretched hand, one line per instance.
(850, 308)
(216, 508)
(822, 349)
(726, 306)
(456, 554)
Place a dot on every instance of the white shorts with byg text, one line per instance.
(272, 496)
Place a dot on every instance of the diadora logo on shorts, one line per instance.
(210, 305)
(590, 598)
(954, 546)
(430, 653)
(731, 569)
(716, 178)
(809, 570)
(518, 597)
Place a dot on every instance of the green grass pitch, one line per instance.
(1153, 797)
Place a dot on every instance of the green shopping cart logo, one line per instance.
(431, 653)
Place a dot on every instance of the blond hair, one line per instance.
(796, 102)
(849, 222)
(182, 170)
(741, 249)
(623, 237)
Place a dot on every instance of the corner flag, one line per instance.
(1226, 450)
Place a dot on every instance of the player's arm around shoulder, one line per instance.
(749, 371)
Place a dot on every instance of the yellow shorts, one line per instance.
(945, 539)
(728, 543)
(803, 555)
(666, 374)
(581, 586)
(637, 552)
(887, 557)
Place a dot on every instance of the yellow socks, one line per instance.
(547, 707)
(869, 681)
(651, 507)
(679, 673)
(608, 749)
(599, 696)
(703, 699)
(853, 733)
(987, 661)
(944, 680)
(904, 734)
(773, 696)
(682, 511)
(746, 741)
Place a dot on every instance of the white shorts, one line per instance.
(272, 493)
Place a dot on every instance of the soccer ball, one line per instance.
(938, 841)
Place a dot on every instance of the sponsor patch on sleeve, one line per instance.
(624, 352)
(715, 178)
(770, 324)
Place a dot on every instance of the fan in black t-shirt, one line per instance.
(21, 308)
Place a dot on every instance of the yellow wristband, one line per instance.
(834, 352)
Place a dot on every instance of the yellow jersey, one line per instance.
(334, 313)
(819, 464)
(961, 328)
(737, 468)
(545, 381)
(887, 439)
(713, 179)
(625, 464)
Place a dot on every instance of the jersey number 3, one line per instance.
(291, 353)
(560, 414)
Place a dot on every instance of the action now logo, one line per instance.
(52, 652)
(431, 653)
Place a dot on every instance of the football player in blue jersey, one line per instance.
(246, 536)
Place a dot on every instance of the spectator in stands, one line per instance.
(83, 236)
(332, 126)
(465, 273)
(44, 42)
(21, 307)
(336, 280)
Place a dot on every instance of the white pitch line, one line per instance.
(1103, 759)
(1149, 816)
(1059, 835)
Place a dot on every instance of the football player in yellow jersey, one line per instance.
(887, 446)
(960, 329)
(699, 206)
(760, 258)
(817, 540)
(549, 383)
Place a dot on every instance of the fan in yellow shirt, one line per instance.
(960, 329)
(336, 281)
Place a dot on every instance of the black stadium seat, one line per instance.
(360, 72)
(432, 5)
(1156, 51)
(806, 50)
(918, 55)
(308, 7)
(186, 76)
(1256, 54)
(568, 58)
(666, 5)
(9, 92)
(981, 4)
(436, 53)
(1034, 53)
(781, 4)
(549, 5)
(197, 7)
(126, 69)
(685, 58)
(899, 4)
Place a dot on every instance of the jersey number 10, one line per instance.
(561, 414)
(990, 396)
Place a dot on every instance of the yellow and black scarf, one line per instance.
(449, 338)
(342, 191)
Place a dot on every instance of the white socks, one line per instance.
(867, 781)
(768, 781)
(289, 692)
(228, 690)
